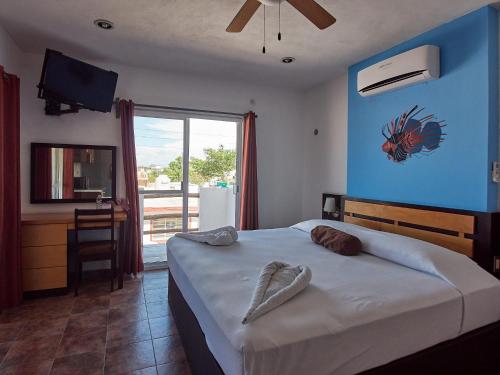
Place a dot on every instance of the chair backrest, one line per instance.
(101, 219)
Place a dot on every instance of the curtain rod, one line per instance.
(178, 109)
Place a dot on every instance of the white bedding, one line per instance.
(358, 313)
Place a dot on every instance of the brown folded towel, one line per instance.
(340, 242)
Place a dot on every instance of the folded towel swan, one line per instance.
(278, 282)
(217, 237)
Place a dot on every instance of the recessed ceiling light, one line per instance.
(104, 24)
(287, 60)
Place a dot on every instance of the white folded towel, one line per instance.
(278, 282)
(217, 237)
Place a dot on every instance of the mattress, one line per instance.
(358, 313)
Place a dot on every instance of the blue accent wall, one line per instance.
(458, 173)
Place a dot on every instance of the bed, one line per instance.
(404, 306)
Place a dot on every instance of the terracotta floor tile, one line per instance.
(162, 327)
(90, 304)
(130, 282)
(174, 368)
(123, 314)
(158, 309)
(66, 299)
(96, 330)
(91, 341)
(52, 308)
(29, 368)
(94, 290)
(127, 299)
(9, 331)
(130, 357)
(18, 314)
(32, 350)
(168, 349)
(134, 293)
(155, 295)
(55, 312)
(145, 371)
(4, 348)
(120, 335)
(81, 323)
(79, 364)
(43, 328)
(129, 288)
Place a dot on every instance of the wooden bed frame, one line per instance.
(475, 234)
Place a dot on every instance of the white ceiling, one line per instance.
(189, 35)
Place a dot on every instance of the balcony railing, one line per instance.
(156, 194)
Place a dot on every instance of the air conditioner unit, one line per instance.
(417, 65)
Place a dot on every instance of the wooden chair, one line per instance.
(89, 251)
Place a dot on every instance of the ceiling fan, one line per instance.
(309, 8)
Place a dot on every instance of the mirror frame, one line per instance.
(73, 146)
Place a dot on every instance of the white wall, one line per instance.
(9, 53)
(325, 154)
(295, 166)
(279, 129)
(216, 208)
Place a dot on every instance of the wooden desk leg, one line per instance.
(121, 255)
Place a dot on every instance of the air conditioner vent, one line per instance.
(417, 65)
(389, 81)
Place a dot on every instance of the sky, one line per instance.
(158, 141)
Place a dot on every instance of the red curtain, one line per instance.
(68, 189)
(43, 173)
(10, 197)
(133, 246)
(249, 205)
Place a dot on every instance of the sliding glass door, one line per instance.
(213, 172)
(188, 175)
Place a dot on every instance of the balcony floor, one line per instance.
(154, 253)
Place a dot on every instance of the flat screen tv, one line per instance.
(75, 83)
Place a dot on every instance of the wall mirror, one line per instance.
(62, 173)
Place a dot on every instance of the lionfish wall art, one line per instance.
(406, 135)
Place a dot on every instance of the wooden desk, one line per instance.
(45, 249)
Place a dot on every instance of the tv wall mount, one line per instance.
(53, 107)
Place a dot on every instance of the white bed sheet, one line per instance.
(358, 313)
(230, 359)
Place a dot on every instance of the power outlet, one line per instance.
(496, 264)
(495, 172)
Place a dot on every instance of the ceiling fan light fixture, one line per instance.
(309, 8)
(271, 2)
(104, 24)
(288, 60)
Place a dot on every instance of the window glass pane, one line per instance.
(159, 149)
(212, 173)
(159, 146)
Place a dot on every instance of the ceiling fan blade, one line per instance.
(246, 12)
(314, 12)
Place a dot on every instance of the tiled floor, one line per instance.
(129, 331)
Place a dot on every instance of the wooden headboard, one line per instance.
(472, 233)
